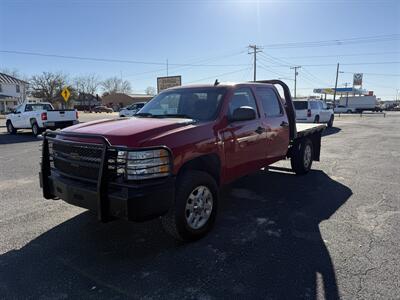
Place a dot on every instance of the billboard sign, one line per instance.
(168, 82)
(357, 79)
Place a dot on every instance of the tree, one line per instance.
(12, 72)
(87, 84)
(114, 85)
(150, 91)
(48, 86)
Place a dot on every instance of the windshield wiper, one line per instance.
(176, 116)
(143, 114)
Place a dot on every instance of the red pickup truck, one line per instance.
(170, 159)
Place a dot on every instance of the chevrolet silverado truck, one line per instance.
(170, 159)
(39, 117)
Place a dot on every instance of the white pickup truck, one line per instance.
(39, 117)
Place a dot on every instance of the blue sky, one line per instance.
(212, 33)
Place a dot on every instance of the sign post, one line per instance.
(357, 79)
(167, 82)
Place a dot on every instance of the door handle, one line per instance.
(260, 130)
(284, 124)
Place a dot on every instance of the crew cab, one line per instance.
(313, 111)
(39, 117)
(171, 158)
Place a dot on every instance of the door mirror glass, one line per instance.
(243, 113)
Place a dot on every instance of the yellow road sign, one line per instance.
(65, 93)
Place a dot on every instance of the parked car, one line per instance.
(343, 109)
(313, 111)
(132, 109)
(100, 109)
(171, 158)
(39, 117)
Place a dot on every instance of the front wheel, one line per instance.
(302, 157)
(316, 120)
(195, 208)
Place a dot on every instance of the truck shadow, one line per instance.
(266, 244)
(330, 131)
(20, 137)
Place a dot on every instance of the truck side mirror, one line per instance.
(243, 113)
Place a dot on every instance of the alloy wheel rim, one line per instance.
(199, 205)
(307, 156)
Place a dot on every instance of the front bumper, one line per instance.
(130, 200)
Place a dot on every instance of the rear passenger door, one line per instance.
(275, 122)
(325, 112)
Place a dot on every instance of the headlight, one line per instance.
(147, 164)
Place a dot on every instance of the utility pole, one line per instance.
(167, 67)
(337, 76)
(255, 49)
(347, 93)
(295, 78)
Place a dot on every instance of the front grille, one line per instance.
(82, 161)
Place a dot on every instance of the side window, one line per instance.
(28, 107)
(270, 102)
(17, 88)
(242, 97)
(313, 105)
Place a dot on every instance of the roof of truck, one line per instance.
(221, 84)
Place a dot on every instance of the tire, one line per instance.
(35, 129)
(302, 157)
(316, 120)
(122, 116)
(10, 128)
(330, 123)
(189, 186)
(349, 111)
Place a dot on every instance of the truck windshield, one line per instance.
(300, 105)
(195, 103)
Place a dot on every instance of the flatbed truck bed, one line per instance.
(304, 129)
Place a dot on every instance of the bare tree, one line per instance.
(150, 91)
(114, 85)
(48, 86)
(87, 84)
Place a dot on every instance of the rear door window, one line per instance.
(300, 105)
(270, 102)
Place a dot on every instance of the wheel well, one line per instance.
(209, 163)
(32, 120)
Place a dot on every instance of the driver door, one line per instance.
(242, 140)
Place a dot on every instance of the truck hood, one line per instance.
(131, 132)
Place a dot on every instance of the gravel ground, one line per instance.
(330, 234)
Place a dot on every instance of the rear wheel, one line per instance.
(10, 128)
(195, 209)
(330, 123)
(302, 157)
(35, 129)
(349, 111)
(316, 120)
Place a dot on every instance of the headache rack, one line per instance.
(95, 162)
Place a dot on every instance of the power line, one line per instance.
(336, 42)
(377, 74)
(341, 55)
(116, 60)
(219, 75)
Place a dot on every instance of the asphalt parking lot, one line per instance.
(331, 234)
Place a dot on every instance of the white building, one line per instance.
(12, 92)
